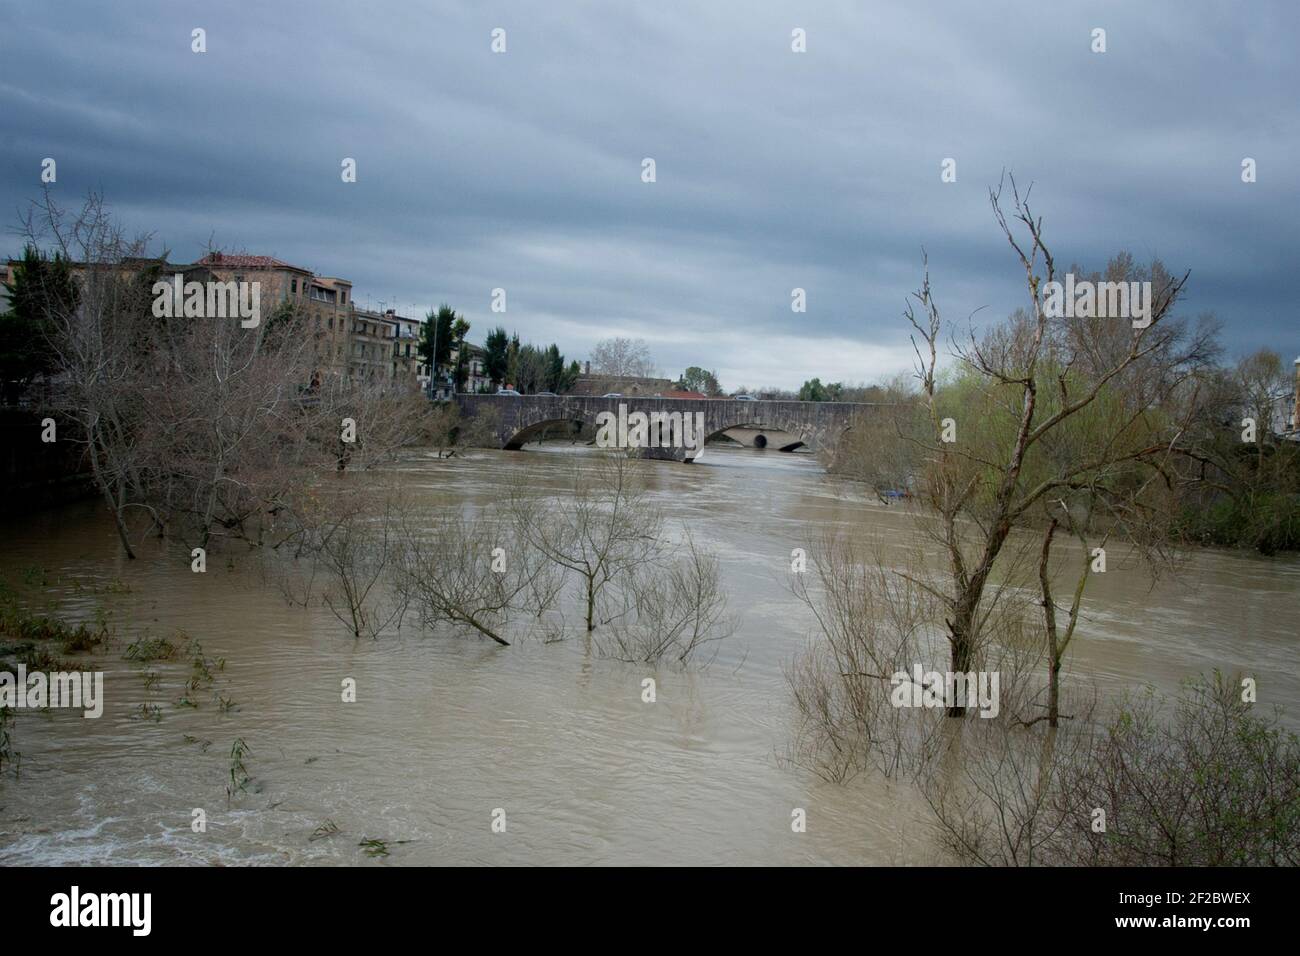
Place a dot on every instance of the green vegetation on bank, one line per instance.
(1200, 460)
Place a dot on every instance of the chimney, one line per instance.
(586, 366)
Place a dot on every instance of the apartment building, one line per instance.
(350, 342)
(360, 344)
(326, 301)
(370, 346)
(476, 378)
(407, 365)
(385, 346)
(328, 305)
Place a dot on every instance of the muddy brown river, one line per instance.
(448, 727)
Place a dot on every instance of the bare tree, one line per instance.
(872, 623)
(384, 419)
(471, 572)
(227, 434)
(99, 339)
(622, 358)
(210, 428)
(1021, 392)
(601, 529)
(673, 612)
(879, 615)
(1196, 781)
(1199, 780)
(360, 554)
(1264, 383)
(996, 792)
(880, 448)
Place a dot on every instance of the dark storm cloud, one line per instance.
(775, 169)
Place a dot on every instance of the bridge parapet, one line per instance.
(520, 417)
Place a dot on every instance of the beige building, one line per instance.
(385, 346)
(328, 304)
(370, 347)
(357, 343)
(325, 300)
(407, 365)
(351, 342)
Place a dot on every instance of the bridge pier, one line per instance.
(811, 424)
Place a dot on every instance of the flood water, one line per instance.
(449, 727)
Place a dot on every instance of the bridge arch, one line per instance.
(770, 434)
(531, 432)
(515, 419)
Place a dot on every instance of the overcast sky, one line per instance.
(775, 169)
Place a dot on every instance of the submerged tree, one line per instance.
(207, 427)
(671, 611)
(472, 573)
(1023, 389)
(603, 528)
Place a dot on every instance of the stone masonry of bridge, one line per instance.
(520, 418)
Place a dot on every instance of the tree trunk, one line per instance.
(1049, 618)
(482, 629)
(963, 651)
(113, 501)
(1054, 687)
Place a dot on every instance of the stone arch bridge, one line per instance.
(520, 419)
